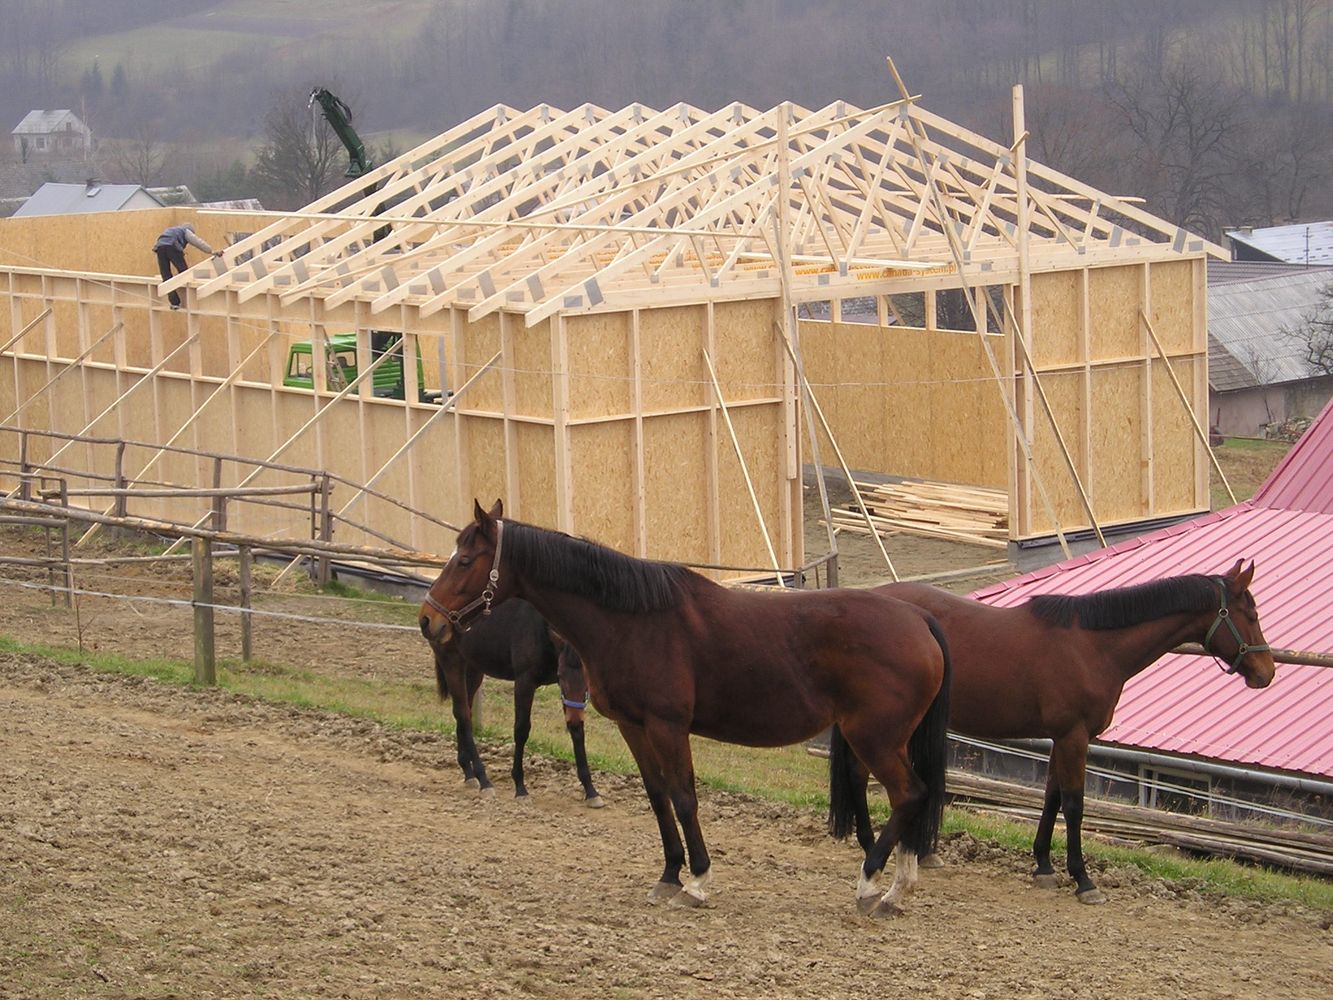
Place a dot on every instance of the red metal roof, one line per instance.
(1184, 704)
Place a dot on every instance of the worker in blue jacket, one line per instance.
(170, 250)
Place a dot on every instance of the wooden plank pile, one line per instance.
(970, 514)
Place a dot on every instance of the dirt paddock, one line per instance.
(163, 842)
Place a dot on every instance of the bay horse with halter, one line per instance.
(514, 643)
(1054, 668)
(668, 653)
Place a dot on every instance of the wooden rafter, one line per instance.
(542, 211)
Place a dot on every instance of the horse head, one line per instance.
(470, 584)
(1235, 635)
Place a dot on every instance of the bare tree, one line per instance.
(141, 158)
(1315, 333)
(297, 161)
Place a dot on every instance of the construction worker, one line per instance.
(170, 250)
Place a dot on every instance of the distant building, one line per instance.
(1258, 373)
(91, 196)
(1305, 243)
(51, 134)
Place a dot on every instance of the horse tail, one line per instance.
(928, 752)
(842, 785)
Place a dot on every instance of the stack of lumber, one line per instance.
(937, 510)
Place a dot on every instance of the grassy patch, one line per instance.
(1247, 462)
(787, 774)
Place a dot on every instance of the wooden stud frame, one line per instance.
(523, 231)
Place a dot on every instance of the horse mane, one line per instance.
(1125, 606)
(573, 565)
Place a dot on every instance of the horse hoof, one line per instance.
(690, 899)
(1043, 880)
(663, 890)
(931, 860)
(885, 908)
(1093, 896)
(488, 792)
(865, 905)
(471, 783)
(596, 802)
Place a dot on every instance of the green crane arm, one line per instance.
(339, 116)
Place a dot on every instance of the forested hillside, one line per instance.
(1215, 111)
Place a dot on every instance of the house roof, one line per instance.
(1225, 371)
(1255, 321)
(1182, 704)
(544, 211)
(42, 122)
(1298, 243)
(70, 199)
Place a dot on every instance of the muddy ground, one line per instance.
(165, 842)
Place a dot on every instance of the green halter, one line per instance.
(1223, 615)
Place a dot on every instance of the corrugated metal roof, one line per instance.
(1254, 321)
(1226, 272)
(1298, 243)
(70, 199)
(1303, 480)
(1184, 704)
(1224, 371)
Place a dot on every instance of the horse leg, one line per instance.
(524, 690)
(1073, 758)
(1044, 874)
(907, 794)
(474, 771)
(574, 723)
(671, 745)
(650, 772)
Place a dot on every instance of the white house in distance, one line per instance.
(44, 134)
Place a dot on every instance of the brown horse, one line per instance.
(1054, 668)
(513, 644)
(668, 653)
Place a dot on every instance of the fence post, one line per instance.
(205, 666)
(122, 501)
(219, 501)
(325, 526)
(25, 486)
(247, 635)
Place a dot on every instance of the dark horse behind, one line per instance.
(1054, 668)
(668, 653)
(513, 643)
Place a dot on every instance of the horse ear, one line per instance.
(1243, 581)
(1234, 571)
(478, 514)
(497, 509)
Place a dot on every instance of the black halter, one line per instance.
(464, 618)
(1223, 615)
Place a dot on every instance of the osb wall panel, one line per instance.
(480, 341)
(672, 367)
(742, 541)
(1175, 443)
(676, 492)
(1117, 443)
(111, 242)
(909, 402)
(531, 361)
(601, 374)
(536, 473)
(1172, 308)
(1056, 337)
(483, 444)
(1066, 393)
(747, 350)
(604, 500)
(1115, 295)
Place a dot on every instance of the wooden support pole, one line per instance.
(247, 619)
(205, 663)
(740, 457)
(1194, 419)
(27, 327)
(69, 367)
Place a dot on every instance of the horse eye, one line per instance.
(464, 561)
